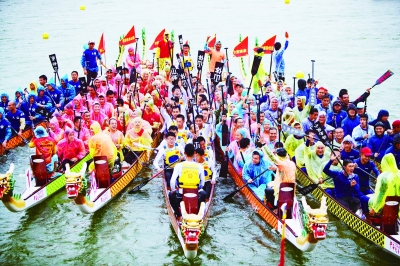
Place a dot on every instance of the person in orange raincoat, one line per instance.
(45, 146)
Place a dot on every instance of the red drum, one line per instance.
(286, 195)
(101, 171)
(389, 217)
(191, 202)
(39, 170)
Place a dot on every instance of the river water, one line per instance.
(353, 43)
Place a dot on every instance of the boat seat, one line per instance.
(39, 170)
(101, 171)
(390, 214)
(286, 195)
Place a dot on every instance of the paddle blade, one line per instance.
(308, 189)
(223, 172)
(256, 65)
(384, 77)
(230, 195)
(225, 134)
(138, 187)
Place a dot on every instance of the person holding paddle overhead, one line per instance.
(216, 54)
(278, 58)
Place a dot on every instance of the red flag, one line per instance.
(242, 49)
(211, 43)
(129, 37)
(159, 37)
(102, 45)
(268, 46)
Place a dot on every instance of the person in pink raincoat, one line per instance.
(55, 131)
(106, 86)
(81, 132)
(97, 86)
(70, 149)
(77, 104)
(110, 75)
(106, 107)
(133, 60)
(62, 122)
(69, 113)
(98, 115)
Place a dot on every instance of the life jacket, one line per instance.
(190, 175)
(171, 155)
(183, 134)
(207, 170)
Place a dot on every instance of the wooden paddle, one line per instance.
(237, 190)
(25, 141)
(254, 70)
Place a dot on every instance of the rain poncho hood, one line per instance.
(3, 114)
(40, 132)
(34, 83)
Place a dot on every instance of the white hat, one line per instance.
(360, 105)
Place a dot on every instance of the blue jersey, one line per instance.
(14, 119)
(89, 60)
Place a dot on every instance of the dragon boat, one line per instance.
(39, 185)
(17, 140)
(194, 219)
(101, 191)
(383, 232)
(304, 226)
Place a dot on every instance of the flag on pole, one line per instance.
(211, 43)
(242, 49)
(159, 38)
(268, 46)
(129, 37)
(102, 45)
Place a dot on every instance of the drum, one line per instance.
(39, 170)
(101, 171)
(191, 201)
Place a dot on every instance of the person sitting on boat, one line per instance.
(55, 131)
(285, 173)
(4, 99)
(338, 136)
(209, 170)
(87, 120)
(395, 149)
(322, 121)
(387, 184)
(106, 107)
(233, 147)
(70, 149)
(81, 132)
(383, 117)
(56, 96)
(364, 167)
(179, 139)
(67, 89)
(29, 108)
(348, 151)
(299, 152)
(309, 121)
(328, 185)
(43, 100)
(75, 82)
(16, 118)
(361, 111)
(351, 121)
(45, 146)
(347, 184)
(149, 115)
(208, 151)
(183, 130)
(379, 142)
(243, 156)
(363, 131)
(98, 115)
(396, 127)
(188, 174)
(5, 129)
(293, 141)
(137, 138)
(336, 115)
(314, 158)
(170, 153)
(253, 168)
(116, 136)
(101, 144)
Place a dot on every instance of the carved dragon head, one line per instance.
(317, 221)
(76, 183)
(192, 226)
(7, 182)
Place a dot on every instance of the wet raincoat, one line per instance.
(101, 144)
(68, 90)
(313, 162)
(58, 133)
(5, 127)
(67, 150)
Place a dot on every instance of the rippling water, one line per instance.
(353, 43)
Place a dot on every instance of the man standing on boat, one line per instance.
(186, 175)
(5, 129)
(164, 51)
(89, 62)
(216, 54)
(278, 58)
(347, 188)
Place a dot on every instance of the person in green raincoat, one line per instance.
(293, 141)
(313, 159)
(302, 110)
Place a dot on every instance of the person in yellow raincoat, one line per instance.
(137, 138)
(32, 88)
(101, 144)
(313, 159)
(302, 110)
(387, 184)
(293, 141)
(260, 75)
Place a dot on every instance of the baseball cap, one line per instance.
(89, 42)
(360, 105)
(366, 151)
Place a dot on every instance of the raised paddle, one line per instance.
(254, 70)
(138, 187)
(237, 190)
(379, 81)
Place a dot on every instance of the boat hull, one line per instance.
(370, 232)
(98, 198)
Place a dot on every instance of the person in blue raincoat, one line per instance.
(19, 97)
(253, 168)
(29, 108)
(56, 96)
(43, 100)
(67, 89)
(4, 99)
(89, 61)
(5, 129)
